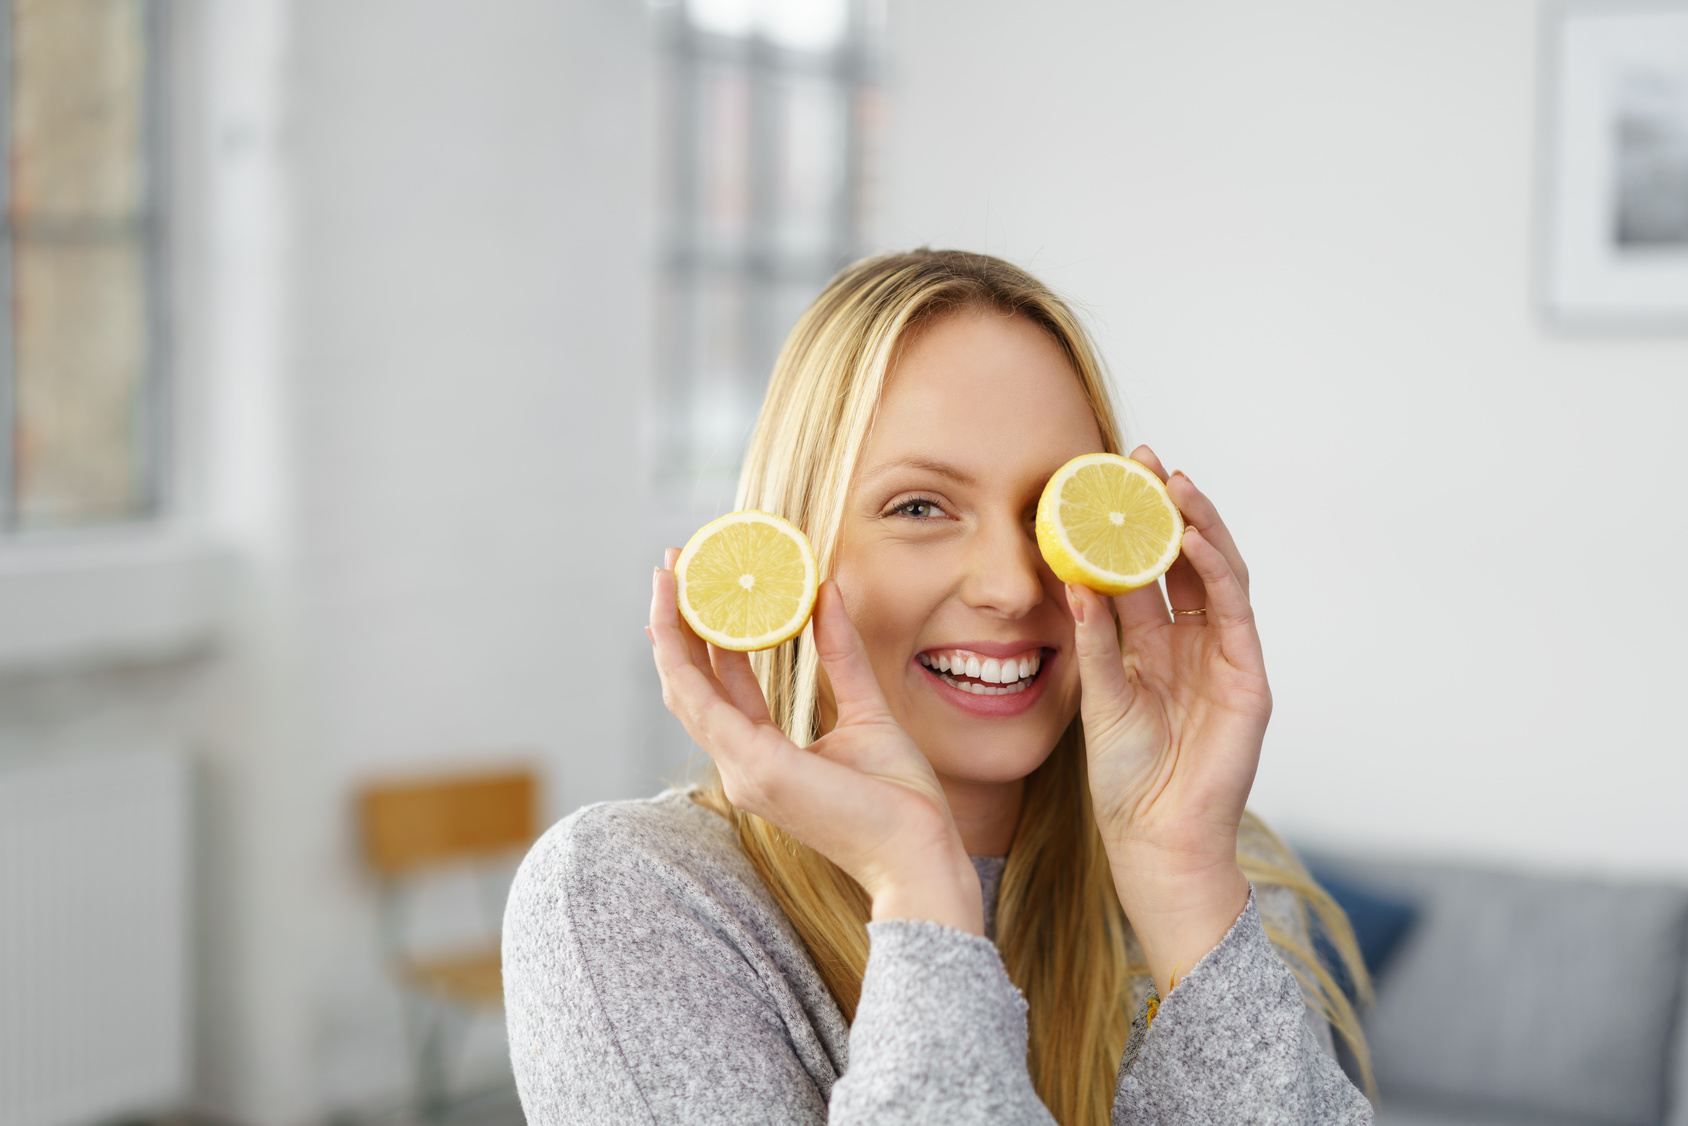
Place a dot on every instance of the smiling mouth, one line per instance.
(984, 676)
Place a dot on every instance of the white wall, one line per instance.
(415, 323)
(471, 355)
(1304, 233)
(471, 270)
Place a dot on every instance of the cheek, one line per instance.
(889, 606)
(1068, 683)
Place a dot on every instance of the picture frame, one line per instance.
(1616, 202)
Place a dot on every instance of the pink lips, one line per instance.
(1003, 706)
(996, 649)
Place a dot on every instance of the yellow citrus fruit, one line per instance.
(747, 581)
(1107, 522)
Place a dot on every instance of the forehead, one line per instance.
(982, 391)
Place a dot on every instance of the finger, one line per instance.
(1201, 512)
(1183, 587)
(694, 696)
(1145, 456)
(699, 648)
(1228, 608)
(1184, 590)
(666, 613)
(743, 689)
(1141, 607)
(840, 649)
(1096, 640)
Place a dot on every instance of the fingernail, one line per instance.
(1181, 473)
(1075, 603)
(651, 637)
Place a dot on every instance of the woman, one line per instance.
(903, 899)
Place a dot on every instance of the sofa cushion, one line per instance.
(1528, 992)
(1397, 1113)
(1379, 923)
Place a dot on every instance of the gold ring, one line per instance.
(1203, 610)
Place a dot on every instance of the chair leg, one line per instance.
(427, 1018)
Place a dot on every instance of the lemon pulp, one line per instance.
(1108, 522)
(747, 581)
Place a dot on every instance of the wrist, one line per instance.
(946, 893)
(1179, 916)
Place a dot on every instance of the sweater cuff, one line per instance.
(939, 1025)
(1231, 1043)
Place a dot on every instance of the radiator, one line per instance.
(94, 1013)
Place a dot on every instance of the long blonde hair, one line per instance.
(1063, 937)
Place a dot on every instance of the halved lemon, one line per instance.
(747, 581)
(1107, 522)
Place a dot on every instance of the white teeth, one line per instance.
(1001, 677)
(986, 689)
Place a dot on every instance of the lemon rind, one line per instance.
(1066, 561)
(792, 627)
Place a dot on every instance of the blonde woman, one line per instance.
(918, 888)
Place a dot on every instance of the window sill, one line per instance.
(107, 599)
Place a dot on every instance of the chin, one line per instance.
(998, 758)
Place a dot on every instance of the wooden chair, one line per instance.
(415, 829)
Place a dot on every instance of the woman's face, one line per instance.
(967, 628)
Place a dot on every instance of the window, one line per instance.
(772, 114)
(80, 345)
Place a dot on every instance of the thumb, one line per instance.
(1096, 638)
(840, 650)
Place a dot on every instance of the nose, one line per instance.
(1003, 570)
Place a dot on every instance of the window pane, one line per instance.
(78, 109)
(724, 155)
(805, 25)
(812, 166)
(765, 155)
(79, 334)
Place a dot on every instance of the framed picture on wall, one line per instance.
(1616, 253)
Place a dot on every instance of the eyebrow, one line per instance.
(930, 465)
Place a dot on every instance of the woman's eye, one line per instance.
(919, 509)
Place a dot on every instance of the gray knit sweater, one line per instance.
(650, 977)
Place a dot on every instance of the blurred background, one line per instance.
(360, 358)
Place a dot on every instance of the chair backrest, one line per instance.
(427, 823)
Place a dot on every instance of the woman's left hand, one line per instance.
(1175, 709)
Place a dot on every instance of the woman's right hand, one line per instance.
(862, 795)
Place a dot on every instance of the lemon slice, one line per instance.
(747, 581)
(1107, 522)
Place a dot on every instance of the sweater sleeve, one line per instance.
(939, 1035)
(1232, 1043)
(631, 997)
(628, 997)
